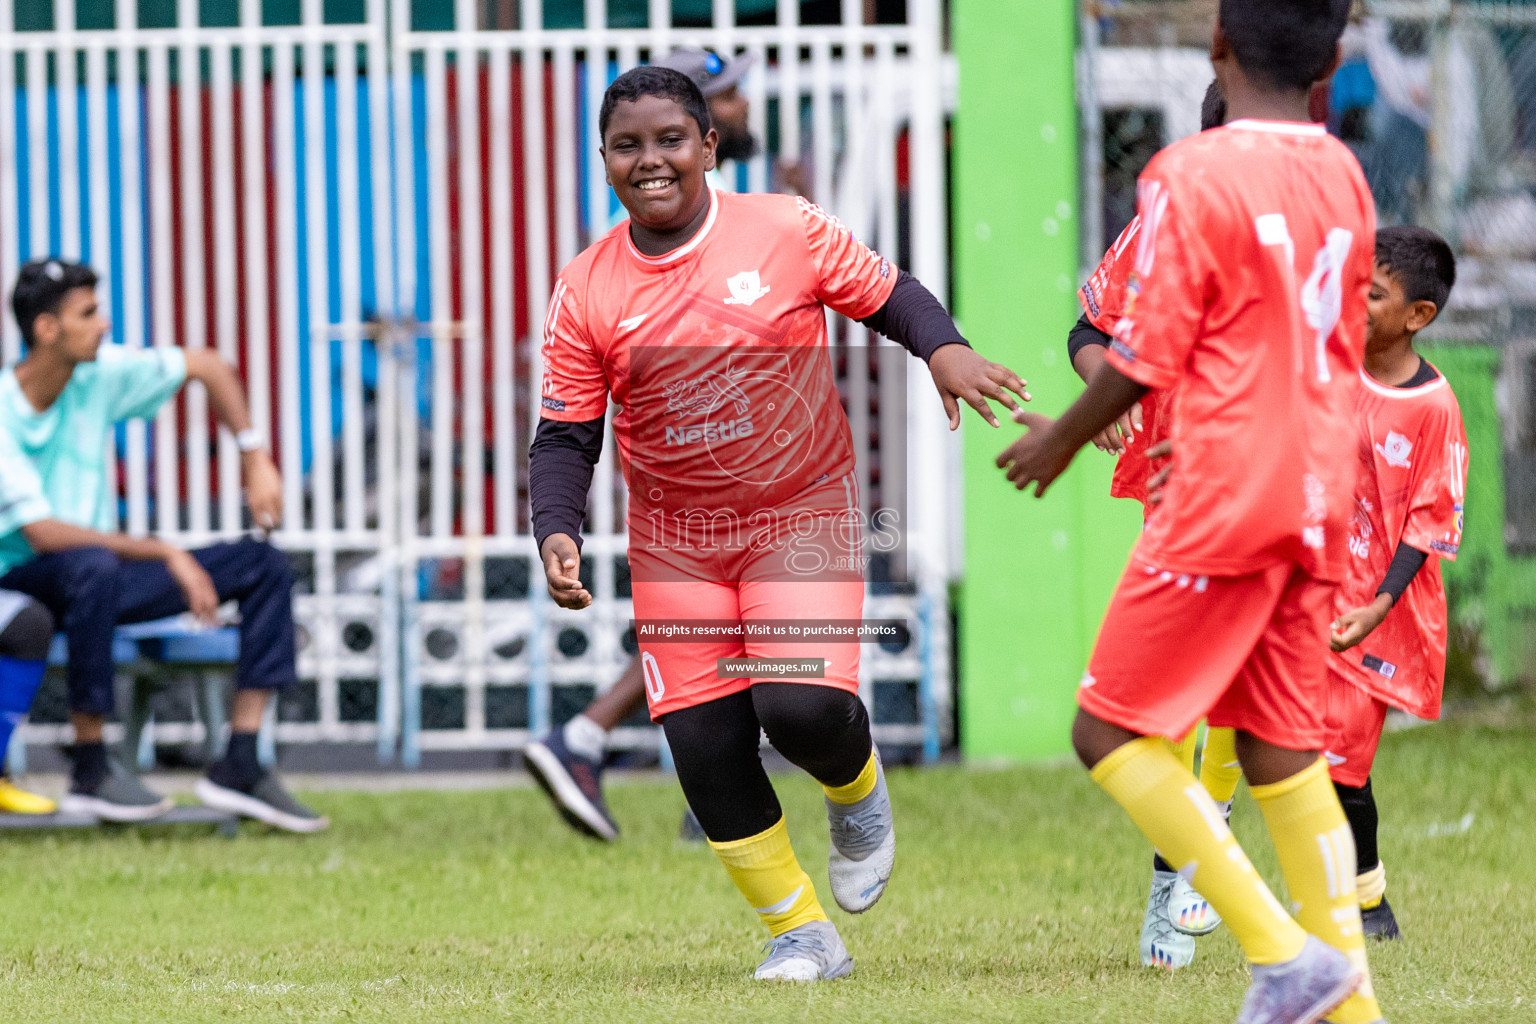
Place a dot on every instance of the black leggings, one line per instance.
(1360, 808)
(823, 730)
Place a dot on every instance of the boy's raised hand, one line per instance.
(562, 572)
(961, 373)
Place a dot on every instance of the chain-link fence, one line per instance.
(1438, 100)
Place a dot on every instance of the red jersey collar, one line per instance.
(1250, 124)
(682, 251)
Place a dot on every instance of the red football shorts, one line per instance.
(1247, 652)
(1355, 719)
(682, 675)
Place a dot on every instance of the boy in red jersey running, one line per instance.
(1391, 627)
(1176, 912)
(1249, 288)
(704, 319)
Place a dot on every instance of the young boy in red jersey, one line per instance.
(1249, 287)
(1391, 627)
(703, 318)
(1176, 912)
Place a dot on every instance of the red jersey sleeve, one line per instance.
(850, 277)
(575, 387)
(1439, 485)
(1165, 291)
(1103, 295)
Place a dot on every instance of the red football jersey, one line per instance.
(716, 354)
(1247, 292)
(1412, 482)
(1103, 299)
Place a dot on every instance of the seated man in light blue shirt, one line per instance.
(58, 539)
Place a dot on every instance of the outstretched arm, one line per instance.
(1047, 447)
(1085, 347)
(263, 482)
(47, 536)
(914, 318)
(560, 464)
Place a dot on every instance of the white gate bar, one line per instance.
(99, 185)
(286, 251)
(660, 21)
(535, 212)
(503, 294)
(162, 248)
(438, 228)
(788, 35)
(189, 122)
(133, 330)
(38, 169)
(253, 158)
(350, 258)
(759, 168)
(565, 151)
(226, 284)
(823, 147)
(67, 106)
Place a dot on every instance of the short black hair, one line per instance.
(649, 80)
(1284, 44)
(41, 287)
(1419, 260)
(1213, 108)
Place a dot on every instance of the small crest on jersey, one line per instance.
(885, 269)
(746, 288)
(1395, 449)
(1460, 519)
(554, 404)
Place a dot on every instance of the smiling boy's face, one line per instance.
(1389, 316)
(656, 161)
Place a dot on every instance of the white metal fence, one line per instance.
(367, 219)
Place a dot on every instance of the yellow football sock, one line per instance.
(1317, 857)
(1184, 750)
(1371, 886)
(859, 788)
(764, 868)
(1173, 811)
(1219, 770)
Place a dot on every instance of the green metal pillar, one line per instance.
(1038, 573)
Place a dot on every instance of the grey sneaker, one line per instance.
(812, 952)
(1163, 945)
(863, 847)
(119, 796)
(1302, 989)
(266, 800)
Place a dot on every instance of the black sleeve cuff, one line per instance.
(1082, 335)
(914, 319)
(1407, 560)
(560, 463)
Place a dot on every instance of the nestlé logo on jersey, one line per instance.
(703, 396)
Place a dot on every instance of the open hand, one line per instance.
(263, 489)
(196, 586)
(562, 572)
(1035, 457)
(1357, 624)
(960, 372)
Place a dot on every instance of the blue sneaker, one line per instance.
(574, 783)
(1300, 990)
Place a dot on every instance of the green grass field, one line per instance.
(1017, 897)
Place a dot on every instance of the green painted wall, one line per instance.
(1037, 573)
(1489, 591)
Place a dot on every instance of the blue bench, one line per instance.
(151, 656)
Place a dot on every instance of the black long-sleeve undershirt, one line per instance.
(1407, 560)
(562, 456)
(1082, 335)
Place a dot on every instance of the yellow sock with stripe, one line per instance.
(859, 788)
(1178, 816)
(1317, 856)
(764, 868)
(1219, 770)
(1371, 887)
(1184, 750)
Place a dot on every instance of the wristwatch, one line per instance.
(250, 439)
